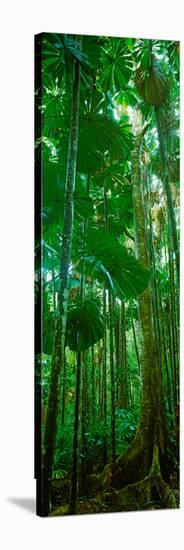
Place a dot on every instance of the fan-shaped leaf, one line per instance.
(152, 84)
(128, 277)
(117, 65)
(97, 133)
(85, 324)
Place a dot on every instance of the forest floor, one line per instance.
(110, 502)
(151, 493)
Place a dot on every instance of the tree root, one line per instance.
(135, 463)
(149, 493)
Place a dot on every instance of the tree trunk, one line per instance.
(60, 326)
(117, 358)
(74, 478)
(83, 368)
(111, 355)
(123, 390)
(167, 189)
(93, 384)
(174, 320)
(169, 394)
(134, 464)
(135, 344)
(111, 351)
(104, 377)
(63, 391)
(84, 422)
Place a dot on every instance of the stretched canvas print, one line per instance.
(106, 274)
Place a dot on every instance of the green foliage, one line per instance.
(152, 84)
(58, 53)
(127, 422)
(85, 324)
(109, 261)
(98, 134)
(120, 78)
(53, 200)
(150, 77)
(117, 63)
(49, 256)
(95, 440)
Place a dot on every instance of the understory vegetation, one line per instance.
(107, 273)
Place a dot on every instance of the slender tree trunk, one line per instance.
(155, 307)
(169, 394)
(165, 174)
(105, 379)
(99, 382)
(171, 351)
(84, 375)
(136, 346)
(166, 183)
(117, 358)
(123, 367)
(54, 290)
(60, 326)
(174, 331)
(84, 422)
(120, 364)
(74, 478)
(93, 383)
(111, 353)
(63, 391)
(105, 339)
(81, 365)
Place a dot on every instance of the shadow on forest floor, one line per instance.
(28, 504)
